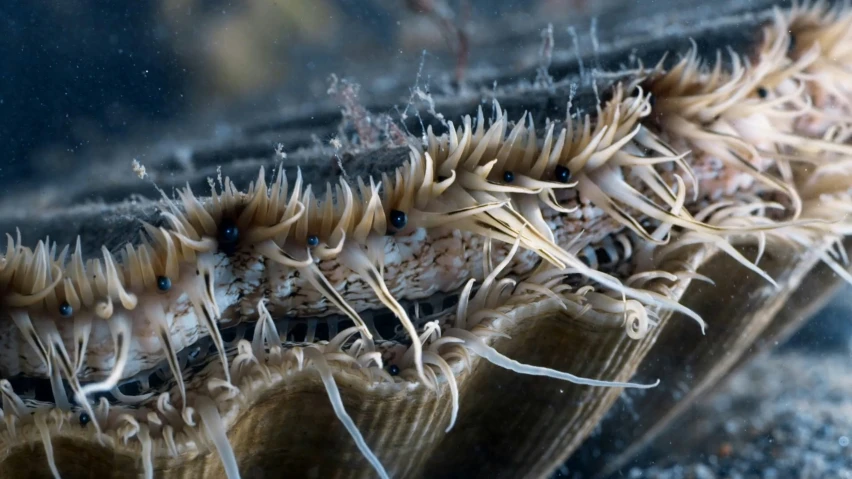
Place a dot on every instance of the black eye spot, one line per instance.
(762, 93)
(65, 310)
(313, 240)
(562, 174)
(84, 419)
(398, 219)
(229, 235)
(508, 176)
(393, 369)
(164, 283)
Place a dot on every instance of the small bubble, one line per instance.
(843, 441)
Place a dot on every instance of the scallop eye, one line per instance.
(762, 93)
(398, 219)
(164, 283)
(84, 419)
(508, 177)
(313, 240)
(65, 310)
(563, 174)
(229, 235)
(393, 369)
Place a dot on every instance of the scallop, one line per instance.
(473, 305)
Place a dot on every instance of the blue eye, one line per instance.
(313, 240)
(398, 219)
(84, 419)
(65, 310)
(563, 174)
(393, 369)
(164, 283)
(229, 236)
(508, 177)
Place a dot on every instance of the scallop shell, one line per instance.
(519, 413)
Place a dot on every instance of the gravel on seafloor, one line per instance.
(787, 415)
